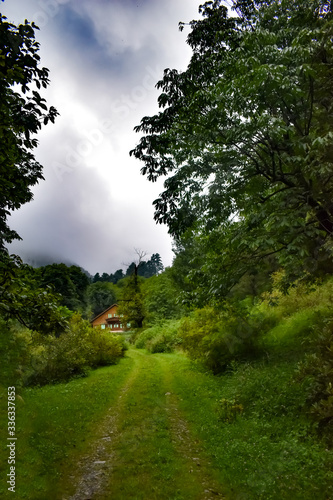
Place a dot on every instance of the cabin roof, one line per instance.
(103, 312)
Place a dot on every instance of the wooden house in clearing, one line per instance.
(109, 320)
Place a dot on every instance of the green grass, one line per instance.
(53, 425)
(269, 451)
(147, 464)
(56, 424)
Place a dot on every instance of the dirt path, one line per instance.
(143, 448)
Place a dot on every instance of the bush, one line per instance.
(160, 338)
(106, 348)
(134, 334)
(290, 330)
(243, 330)
(14, 352)
(216, 338)
(318, 368)
(298, 296)
(55, 359)
(145, 336)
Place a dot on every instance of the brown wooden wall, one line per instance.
(102, 319)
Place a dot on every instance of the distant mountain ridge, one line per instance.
(41, 260)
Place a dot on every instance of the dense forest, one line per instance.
(243, 140)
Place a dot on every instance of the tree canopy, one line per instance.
(23, 111)
(69, 282)
(131, 301)
(24, 299)
(146, 269)
(244, 135)
(100, 295)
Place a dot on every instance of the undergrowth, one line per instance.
(162, 337)
(30, 358)
(279, 324)
(252, 422)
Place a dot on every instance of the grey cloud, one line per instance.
(105, 58)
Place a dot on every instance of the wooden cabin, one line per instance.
(109, 320)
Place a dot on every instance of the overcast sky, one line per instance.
(105, 57)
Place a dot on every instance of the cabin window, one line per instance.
(103, 327)
(109, 315)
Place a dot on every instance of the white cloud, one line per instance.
(94, 206)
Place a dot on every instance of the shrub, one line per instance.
(217, 338)
(106, 348)
(318, 367)
(292, 329)
(56, 359)
(14, 352)
(165, 342)
(134, 334)
(145, 336)
(242, 331)
(160, 338)
(298, 296)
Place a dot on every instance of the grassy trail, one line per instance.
(153, 427)
(143, 447)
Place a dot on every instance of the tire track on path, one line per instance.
(93, 469)
(144, 449)
(196, 461)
